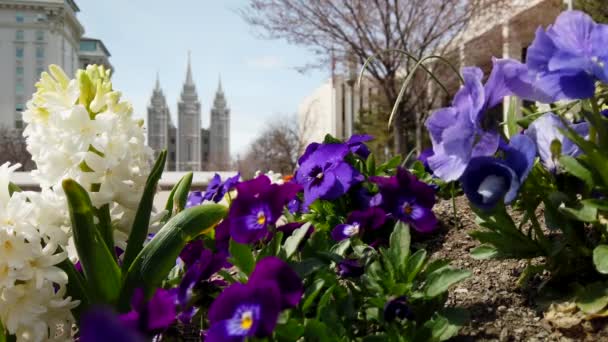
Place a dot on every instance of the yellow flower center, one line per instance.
(261, 218)
(246, 320)
(319, 175)
(407, 209)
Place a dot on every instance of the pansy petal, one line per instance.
(289, 283)
(423, 219)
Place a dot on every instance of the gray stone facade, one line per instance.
(190, 147)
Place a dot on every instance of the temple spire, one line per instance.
(189, 72)
(219, 85)
(157, 86)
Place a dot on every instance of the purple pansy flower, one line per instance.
(356, 144)
(252, 310)
(359, 221)
(408, 200)
(457, 132)
(546, 129)
(324, 173)
(350, 268)
(201, 264)
(424, 156)
(242, 311)
(215, 190)
(397, 308)
(488, 180)
(102, 324)
(287, 280)
(564, 61)
(259, 203)
(150, 316)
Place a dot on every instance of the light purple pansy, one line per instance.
(457, 132)
(544, 130)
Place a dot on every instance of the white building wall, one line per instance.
(48, 33)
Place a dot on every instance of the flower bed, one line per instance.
(345, 249)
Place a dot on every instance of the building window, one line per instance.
(19, 88)
(39, 35)
(40, 52)
(19, 52)
(19, 71)
(88, 45)
(20, 18)
(19, 107)
(18, 122)
(19, 35)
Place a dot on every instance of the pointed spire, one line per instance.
(219, 85)
(189, 72)
(157, 87)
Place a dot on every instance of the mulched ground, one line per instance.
(500, 311)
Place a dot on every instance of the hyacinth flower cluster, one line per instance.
(549, 165)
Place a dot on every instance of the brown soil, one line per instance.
(500, 311)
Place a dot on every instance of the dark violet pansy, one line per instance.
(102, 324)
(242, 311)
(356, 144)
(544, 130)
(151, 316)
(324, 173)
(259, 203)
(397, 308)
(201, 264)
(287, 280)
(462, 131)
(408, 200)
(350, 268)
(215, 190)
(488, 180)
(295, 206)
(359, 221)
(563, 61)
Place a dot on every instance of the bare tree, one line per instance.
(353, 30)
(13, 148)
(277, 148)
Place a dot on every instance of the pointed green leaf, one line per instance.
(484, 252)
(593, 297)
(439, 282)
(399, 245)
(98, 264)
(141, 223)
(157, 258)
(512, 127)
(583, 212)
(241, 257)
(600, 258)
(292, 242)
(76, 288)
(181, 193)
(169, 204)
(414, 264)
(575, 168)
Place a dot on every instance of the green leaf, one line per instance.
(445, 324)
(324, 301)
(157, 258)
(575, 168)
(180, 196)
(399, 245)
(105, 226)
(512, 127)
(415, 264)
(439, 282)
(308, 266)
(484, 252)
(12, 188)
(273, 248)
(318, 331)
(293, 242)
(593, 297)
(370, 164)
(583, 212)
(169, 204)
(98, 264)
(600, 258)
(242, 257)
(141, 222)
(290, 331)
(312, 292)
(76, 288)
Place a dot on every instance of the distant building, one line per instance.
(333, 108)
(33, 35)
(93, 51)
(190, 147)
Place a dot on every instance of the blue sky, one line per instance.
(146, 36)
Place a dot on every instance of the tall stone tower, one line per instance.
(189, 126)
(160, 127)
(219, 132)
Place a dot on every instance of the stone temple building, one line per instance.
(190, 147)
